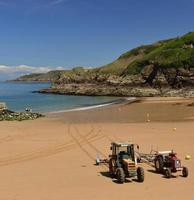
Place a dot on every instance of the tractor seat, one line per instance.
(124, 155)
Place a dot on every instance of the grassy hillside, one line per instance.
(174, 53)
(118, 66)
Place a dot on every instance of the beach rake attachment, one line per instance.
(101, 161)
(147, 158)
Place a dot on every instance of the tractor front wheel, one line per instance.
(168, 173)
(140, 174)
(159, 164)
(185, 172)
(120, 175)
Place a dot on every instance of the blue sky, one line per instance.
(67, 33)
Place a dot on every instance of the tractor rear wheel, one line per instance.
(140, 174)
(159, 164)
(185, 172)
(168, 173)
(120, 175)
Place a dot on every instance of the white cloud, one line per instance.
(35, 3)
(27, 69)
(11, 72)
(56, 2)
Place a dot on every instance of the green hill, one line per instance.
(174, 53)
(171, 53)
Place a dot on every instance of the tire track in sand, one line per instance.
(88, 142)
(45, 152)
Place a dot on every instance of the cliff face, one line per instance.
(165, 68)
(153, 81)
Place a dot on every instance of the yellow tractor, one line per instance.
(123, 162)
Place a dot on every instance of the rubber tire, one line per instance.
(185, 172)
(120, 175)
(111, 168)
(160, 163)
(168, 173)
(140, 174)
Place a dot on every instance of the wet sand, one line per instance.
(153, 109)
(54, 157)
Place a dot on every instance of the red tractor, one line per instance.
(166, 162)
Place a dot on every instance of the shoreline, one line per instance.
(120, 101)
(152, 109)
(126, 100)
(130, 109)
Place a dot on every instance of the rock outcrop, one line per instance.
(7, 115)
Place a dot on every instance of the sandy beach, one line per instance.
(53, 158)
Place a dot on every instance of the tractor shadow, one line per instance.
(107, 175)
(160, 174)
(173, 176)
(153, 171)
(135, 180)
(126, 181)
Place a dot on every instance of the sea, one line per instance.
(19, 96)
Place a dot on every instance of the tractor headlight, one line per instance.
(178, 163)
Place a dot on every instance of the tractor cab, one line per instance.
(123, 150)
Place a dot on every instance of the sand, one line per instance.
(54, 158)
